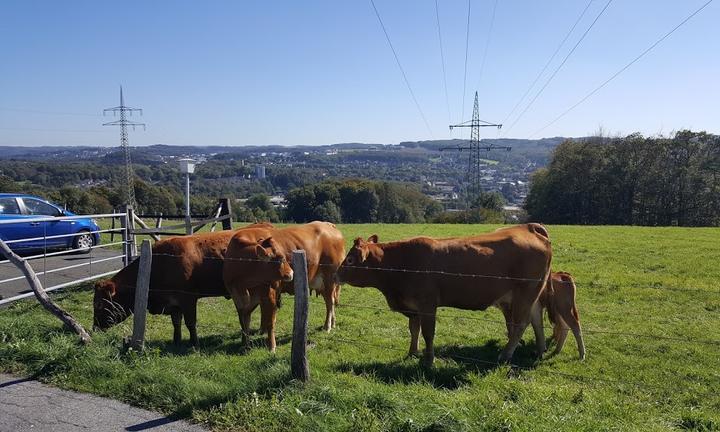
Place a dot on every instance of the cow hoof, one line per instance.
(503, 359)
(427, 361)
(413, 354)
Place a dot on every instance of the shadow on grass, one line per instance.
(452, 368)
(216, 344)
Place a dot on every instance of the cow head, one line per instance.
(363, 254)
(269, 251)
(106, 310)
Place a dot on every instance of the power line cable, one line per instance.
(442, 60)
(397, 60)
(487, 44)
(552, 57)
(467, 44)
(31, 111)
(51, 130)
(549, 80)
(623, 69)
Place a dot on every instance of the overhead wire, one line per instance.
(623, 69)
(547, 64)
(442, 60)
(402, 70)
(467, 44)
(31, 111)
(487, 44)
(555, 72)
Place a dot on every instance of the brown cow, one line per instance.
(418, 275)
(184, 269)
(251, 282)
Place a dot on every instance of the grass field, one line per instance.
(649, 301)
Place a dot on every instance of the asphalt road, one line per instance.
(27, 405)
(86, 265)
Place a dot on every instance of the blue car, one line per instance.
(21, 206)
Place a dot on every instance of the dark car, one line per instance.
(37, 234)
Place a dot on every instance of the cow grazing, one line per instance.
(559, 300)
(254, 272)
(418, 275)
(184, 269)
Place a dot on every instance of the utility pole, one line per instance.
(128, 186)
(473, 173)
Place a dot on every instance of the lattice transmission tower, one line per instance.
(474, 187)
(128, 187)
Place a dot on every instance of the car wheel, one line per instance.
(83, 242)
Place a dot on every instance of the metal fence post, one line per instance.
(142, 288)
(125, 238)
(131, 231)
(298, 361)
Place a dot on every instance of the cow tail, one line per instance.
(569, 280)
(552, 309)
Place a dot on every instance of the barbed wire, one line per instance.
(591, 284)
(494, 321)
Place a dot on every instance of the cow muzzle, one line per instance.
(288, 277)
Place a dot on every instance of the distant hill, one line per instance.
(536, 151)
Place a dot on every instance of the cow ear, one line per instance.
(261, 253)
(373, 238)
(265, 242)
(358, 242)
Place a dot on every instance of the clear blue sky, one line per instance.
(320, 72)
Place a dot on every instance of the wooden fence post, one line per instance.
(226, 210)
(142, 288)
(298, 361)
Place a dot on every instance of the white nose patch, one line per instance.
(290, 277)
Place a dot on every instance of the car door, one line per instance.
(10, 210)
(36, 208)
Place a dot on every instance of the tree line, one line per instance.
(635, 180)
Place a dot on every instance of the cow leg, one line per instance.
(190, 313)
(242, 306)
(176, 317)
(579, 339)
(574, 325)
(427, 326)
(560, 331)
(268, 312)
(336, 296)
(537, 324)
(505, 309)
(329, 297)
(520, 318)
(414, 325)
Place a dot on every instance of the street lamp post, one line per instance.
(187, 166)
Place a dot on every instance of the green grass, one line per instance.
(626, 383)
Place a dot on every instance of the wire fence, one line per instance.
(441, 313)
